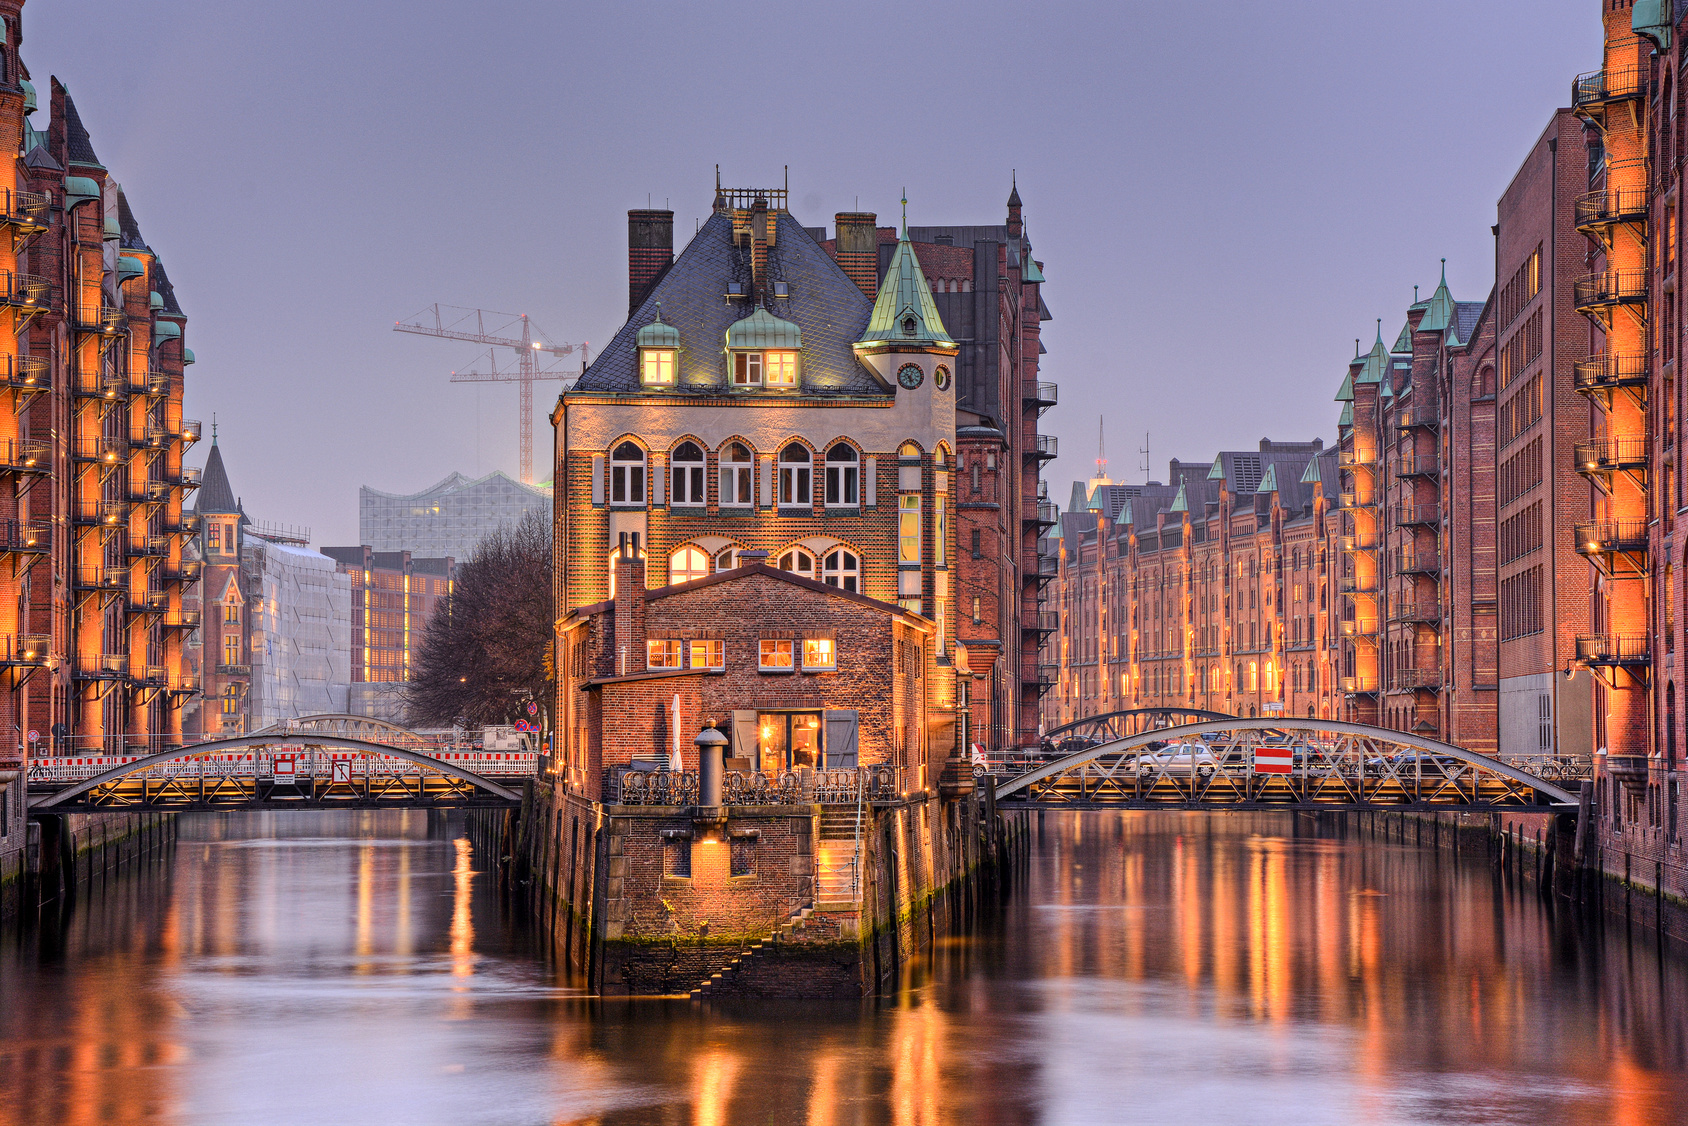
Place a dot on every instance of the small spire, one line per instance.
(905, 213)
(1444, 271)
(1379, 332)
(213, 428)
(1415, 295)
(1014, 188)
(1356, 347)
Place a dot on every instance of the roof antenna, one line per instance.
(905, 213)
(717, 179)
(213, 428)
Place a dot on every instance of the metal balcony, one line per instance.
(1609, 289)
(152, 676)
(28, 292)
(18, 537)
(1614, 650)
(102, 578)
(183, 572)
(110, 513)
(190, 431)
(149, 547)
(1362, 541)
(102, 449)
(1354, 585)
(1356, 458)
(1408, 418)
(182, 620)
(1418, 678)
(1352, 500)
(1604, 208)
(103, 666)
(1601, 456)
(1040, 395)
(234, 670)
(1041, 622)
(149, 438)
(1418, 465)
(1418, 612)
(1410, 514)
(100, 320)
(1043, 515)
(1360, 627)
(1601, 537)
(1415, 562)
(26, 650)
(157, 384)
(149, 602)
(27, 373)
(1044, 447)
(101, 385)
(1359, 685)
(186, 684)
(27, 211)
(1592, 92)
(26, 456)
(1609, 371)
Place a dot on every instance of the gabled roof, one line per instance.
(1404, 342)
(1439, 311)
(825, 305)
(904, 312)
(1376, 366)
(1345, 393)
(78, 146)
(1179, 503)
(1269, 483)
(1466, 316)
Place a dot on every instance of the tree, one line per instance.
(487, 650)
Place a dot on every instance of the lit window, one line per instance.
(688, 475)
(843, 476)
(747, 369)
(627, 476)
(736, 466)
(843, 570)
(940, 533)
(231, 700)
(231, 649)
(663, 654)
(656, 367)
(709, 654)
(798, 562)
(779, 369)
(818, 653)
(687, 564)
(775, 655)
(794, 475)
(231, 612)
(908, 528)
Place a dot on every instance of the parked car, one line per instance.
(1178, 760)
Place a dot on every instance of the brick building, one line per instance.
(91, 439)
(393, 596)
(1211, 591)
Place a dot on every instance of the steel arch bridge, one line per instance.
(1110, 726)
(304, 764)
(1308, 764)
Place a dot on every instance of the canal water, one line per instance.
(1155, 968)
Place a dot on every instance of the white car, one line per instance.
(1178, 760)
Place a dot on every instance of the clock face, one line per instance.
(941, 377)
(910, 376)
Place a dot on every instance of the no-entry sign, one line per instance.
(1274, 760)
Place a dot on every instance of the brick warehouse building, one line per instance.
(92, 438)
(787, 432)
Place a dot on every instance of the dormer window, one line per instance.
(909, 326)
(762, 351)
(656, 367)
(779, 369)
(747, 369)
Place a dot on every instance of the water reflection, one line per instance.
(356, 968)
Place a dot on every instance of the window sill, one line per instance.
(807, 671)
(796, 510)
(736, 510)
(775, 672)
(843, 510)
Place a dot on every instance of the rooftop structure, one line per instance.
(449, 518)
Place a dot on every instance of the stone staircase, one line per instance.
(723, 981)
(837, 880)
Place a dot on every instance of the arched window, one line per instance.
(627, 476)
(688, 475)
(843, 476)
(726, 559)
(908, 451)
(736, 477)
(794, 475)
(1254, 676)
(843, 569)
(687, 564)
(798, 562)
(940, 456)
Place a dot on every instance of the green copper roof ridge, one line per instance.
(1345, 393)
(1179, 503)
(1439, 311)
(1268, 480)
(904, 294)
(1376, 366)
(1217, 473)
(1346, 418)
(1310, 475)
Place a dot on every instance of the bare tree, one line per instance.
(487, 650)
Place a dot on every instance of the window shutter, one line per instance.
(841, 739)
(597, 478)
(659, 482)
(745, 741)
(872, 482)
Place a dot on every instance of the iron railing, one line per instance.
(1407, 514)
(1614, 649)
(1418, 678)
(1416, 610)
(1611, 205)
(101, 320)
(1418, 562)
(1359, 685)
(1597, 537)
(26, 455)
(28, 373)
(1609, 370)
(20, 537)
(25, 649)
(1608, 288)
(1044, 447)
(1041, 395)
(1417, 464)
(1597, 87)
(24, 209)
(1409, 417)
(1604, 455)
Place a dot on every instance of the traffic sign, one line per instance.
(1274, 760)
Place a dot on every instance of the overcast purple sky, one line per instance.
(1225, 194)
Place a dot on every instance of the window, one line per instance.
(747, 369)
(213, 532)
(940, 532)
(818, 653)
(627, 475)
(798, 562)
(231, 700)
(231, 649)
(976, 618)
(663, 654)
(843, 477)
(794, 475)
(779, 369)
(736, 466)
(908, 529)
(775, 655)
(843, 570)
(976, 543)
(231, 612)
(656, 367)
(726, 559)
(709, 654)
(687, 564)
(688, 475)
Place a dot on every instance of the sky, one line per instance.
(1224, 195)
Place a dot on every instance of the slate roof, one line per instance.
(161, 283)
(78, 146)
(39, 158)
(215, 495)
(1466, 316)
(130, 231)
(824, 303)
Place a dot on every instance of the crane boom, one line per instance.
(456, 325)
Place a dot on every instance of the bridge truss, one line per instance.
(1331, 764)
(305, 766)
(1110, 726)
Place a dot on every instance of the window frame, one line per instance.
(719, 654)
(688, 477)
(908, 508)
(779, 369)
(843, 477)
(746, 369)
(847, 578)
(798, 550)
(625, 473)
(792, 474)
(742, 473)
(771, 645)
(663, 358)
(692, 572)
(669, 646)
(820, 646)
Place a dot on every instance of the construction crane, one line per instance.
(509, 330)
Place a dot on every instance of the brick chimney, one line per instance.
(650, 251)
(629, 606)
(857, 248)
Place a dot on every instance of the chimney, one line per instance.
(857, 249)
(629, 606)
(759, 249)
(650, 251)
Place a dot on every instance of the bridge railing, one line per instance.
(307, 763)
(627, 786)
